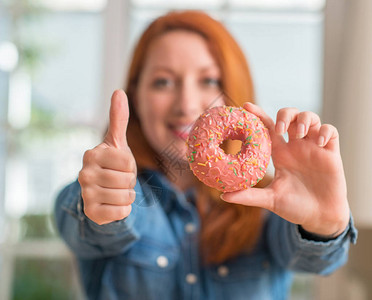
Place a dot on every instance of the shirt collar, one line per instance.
(164, 191)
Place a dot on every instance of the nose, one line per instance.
(189, 99)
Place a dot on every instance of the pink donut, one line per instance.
(222, 171)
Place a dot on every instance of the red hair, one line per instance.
(227, 229)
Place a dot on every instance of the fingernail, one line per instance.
(222, 197)
(246, 104)
(300, 131)
(132, 195)
(280, 127)
(133, 182)
(321, 141)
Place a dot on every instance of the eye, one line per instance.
(210, 81)
(162, 83)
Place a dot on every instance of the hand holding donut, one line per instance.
(109, 171)
(309, 185)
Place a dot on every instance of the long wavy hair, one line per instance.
(227, 230)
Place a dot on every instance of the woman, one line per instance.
(141, 225)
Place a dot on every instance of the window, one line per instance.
(50, 97)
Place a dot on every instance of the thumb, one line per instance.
(119, 116)
(259, 197)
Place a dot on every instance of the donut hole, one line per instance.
(231, 146)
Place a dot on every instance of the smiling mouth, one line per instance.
(181, 131)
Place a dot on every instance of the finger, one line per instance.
(328, 137)
(118, 197)
(111, 158)
(119, 116)
(284, 118)
(107, 178)
(265, 118)
(259, 197)
(104, 214)
(308, 124)
(102, 195)
(116, 159)
(112, 179)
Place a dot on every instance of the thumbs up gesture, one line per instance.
(109, 172)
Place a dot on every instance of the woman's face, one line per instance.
(179, 81)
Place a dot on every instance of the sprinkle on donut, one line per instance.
(222, 171)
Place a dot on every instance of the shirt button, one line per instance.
(191, 278)
(162, 261)
(190, 227)
(223, 271)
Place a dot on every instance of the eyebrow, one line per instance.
(169, 70)
(206, 68)
(162, 68)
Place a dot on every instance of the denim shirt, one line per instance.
(153, 253)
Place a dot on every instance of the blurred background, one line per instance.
(60, 60)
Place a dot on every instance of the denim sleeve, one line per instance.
(86, 238)
(291, 250)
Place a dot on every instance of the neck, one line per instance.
(181, 177)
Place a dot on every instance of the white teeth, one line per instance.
(185, 129)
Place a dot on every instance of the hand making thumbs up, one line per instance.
(109, 171)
